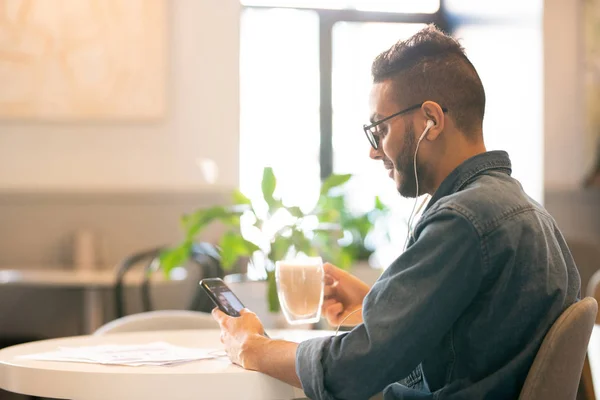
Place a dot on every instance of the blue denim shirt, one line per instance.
(462, 312)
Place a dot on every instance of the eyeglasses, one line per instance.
(372, 130)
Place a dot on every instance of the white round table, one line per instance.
(204, 379)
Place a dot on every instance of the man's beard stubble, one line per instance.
(405, 166)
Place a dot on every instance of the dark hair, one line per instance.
(431, 65)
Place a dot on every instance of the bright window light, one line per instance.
(394, 6)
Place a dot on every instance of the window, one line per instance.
(507, 11)
(305, 80)
(290, 60)
(509, 61)
(402, 6)
(279, 96)
(350, 94)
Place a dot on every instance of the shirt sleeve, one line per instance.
(407, 312)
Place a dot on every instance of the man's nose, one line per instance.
(375, 154)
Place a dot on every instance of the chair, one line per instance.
(161, 320)
(557, 367)
(204, 255)
(587, 383)
(593, 288)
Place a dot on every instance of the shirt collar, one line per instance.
(470, 168)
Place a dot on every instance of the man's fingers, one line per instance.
(218, 315)
(334, 311)
(333, 271)
(328, 279)
(329, 292)
(328, 303)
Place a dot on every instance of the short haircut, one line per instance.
(431, 65)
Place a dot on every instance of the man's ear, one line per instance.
(433, 112)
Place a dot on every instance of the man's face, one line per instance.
(397, 142)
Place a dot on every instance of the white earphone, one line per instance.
(429, 125)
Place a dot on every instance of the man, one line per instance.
(463, 310)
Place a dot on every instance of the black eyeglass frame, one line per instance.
(367, 128)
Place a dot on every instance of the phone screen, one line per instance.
(223, 296)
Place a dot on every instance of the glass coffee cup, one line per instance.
(300, 287)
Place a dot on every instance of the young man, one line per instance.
(462, 312)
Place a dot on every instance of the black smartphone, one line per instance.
(222, 296)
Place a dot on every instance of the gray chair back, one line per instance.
(162, 320)
(593, 289)
(556, 370)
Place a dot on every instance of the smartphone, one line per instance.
(222, 296)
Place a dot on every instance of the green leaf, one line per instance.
(276, 203)
(198, 220)
(280, 247)
(325, 244)
(272, 297)
(171, 258)
(327, 203)
(215, 212)
(231, 220)
(250, 247)
(301, 242)
(329, 216)
(340, 256)
(345, 259)
(379, 204)
(233, 246)
(296, 211)
(268, 186)
(188, 221)
(240, 198)
(334, 180)
(333, 231)
(359, 226)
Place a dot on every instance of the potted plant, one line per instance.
(268, 230)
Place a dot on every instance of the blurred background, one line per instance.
(117, 117)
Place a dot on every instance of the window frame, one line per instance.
(327, 19)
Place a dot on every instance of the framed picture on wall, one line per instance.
(82, 59)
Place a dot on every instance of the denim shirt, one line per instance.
(462, 312)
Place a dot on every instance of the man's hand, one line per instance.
(242, 337)
(247, 347)
(344, 293)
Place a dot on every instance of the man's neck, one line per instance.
(452, 160)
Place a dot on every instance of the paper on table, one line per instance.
(156, 353)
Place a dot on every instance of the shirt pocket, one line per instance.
(414, 380)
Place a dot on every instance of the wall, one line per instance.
(38, 229)
(565, 159)
(127, 182)
(202, 121)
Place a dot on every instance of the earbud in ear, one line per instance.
(430, 123)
